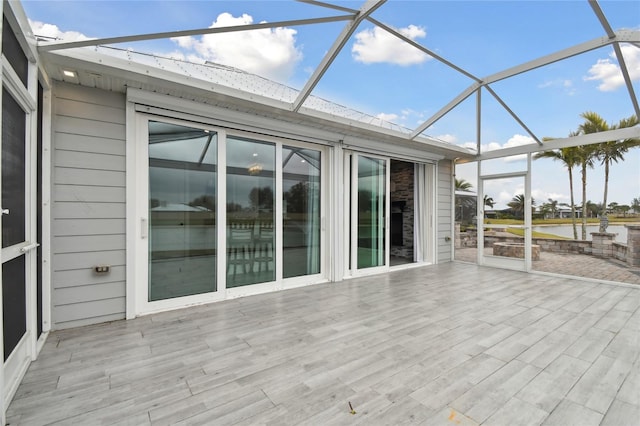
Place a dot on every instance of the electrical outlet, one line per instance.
(101, 269)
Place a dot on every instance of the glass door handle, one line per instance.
(5, 211)
(144, 229)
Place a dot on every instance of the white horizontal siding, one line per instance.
(81, 277)
(72, 227)
(88, 211)
(75, 176)
(444, 211)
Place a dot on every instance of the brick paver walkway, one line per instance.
(579, 265)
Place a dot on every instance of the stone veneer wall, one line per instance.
(633, 245)
(402, 174)
(470, 239)
(603, 244)
(620, 251)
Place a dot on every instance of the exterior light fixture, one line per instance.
(69, 73)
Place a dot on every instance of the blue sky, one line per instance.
(375, 75)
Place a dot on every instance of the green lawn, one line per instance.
(536, 234)
(561, 221)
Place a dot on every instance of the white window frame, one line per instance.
(26, 350)
(137, 216)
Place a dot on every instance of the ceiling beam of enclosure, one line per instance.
(616, 47)
(627, 36)
(551, 144)
(368, 8)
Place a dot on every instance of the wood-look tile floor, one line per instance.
(450, 344)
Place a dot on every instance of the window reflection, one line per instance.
(182, 206)
(371, 212)
(250, 212)
(301, 211)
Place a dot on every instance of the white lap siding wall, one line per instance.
(88, 212)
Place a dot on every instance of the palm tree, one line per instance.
(488, 201)
(624, 209)
(517, 204)
(463, 185)
(553, 207)
(567, 156)
(610, 151)
(593, 208)
(586, 157)
(463, 203)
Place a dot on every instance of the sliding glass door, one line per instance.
(301, 211)
(369, 213)
(251, 245)
(372, 212)
(182, 211)
(224, 214)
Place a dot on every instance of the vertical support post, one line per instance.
(528, 240)
(479, 119)
(480, 216)
(633, 245)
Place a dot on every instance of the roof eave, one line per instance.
(138, 75)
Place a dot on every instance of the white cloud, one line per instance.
(513, 141)
(52, 31)
(388, 117)
(447, 138)
(541, 196)
(556, 83)
(607, 71)
(405, 116)
(378, 46)
(271, 53)
(504, 198)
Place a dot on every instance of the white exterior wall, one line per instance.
(88, 198)
(443, 208)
